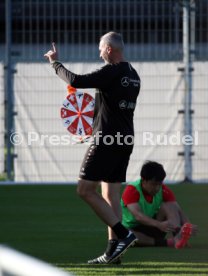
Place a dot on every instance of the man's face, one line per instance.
(151, 187)
(103, 48)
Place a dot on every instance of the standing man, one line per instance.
(107, 158)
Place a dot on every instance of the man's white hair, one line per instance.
(114, 40)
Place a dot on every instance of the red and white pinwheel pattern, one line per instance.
(78, 112)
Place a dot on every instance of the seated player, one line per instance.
(150, 210)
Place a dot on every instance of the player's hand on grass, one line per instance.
(52, 55)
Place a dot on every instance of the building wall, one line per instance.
(39, 95)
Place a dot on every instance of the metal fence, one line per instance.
(153, 31)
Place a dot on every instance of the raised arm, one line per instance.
(96, 79)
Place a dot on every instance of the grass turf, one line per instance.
(51, 223)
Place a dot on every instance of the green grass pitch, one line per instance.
(52, 223)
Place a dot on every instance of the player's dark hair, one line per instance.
(152, 171)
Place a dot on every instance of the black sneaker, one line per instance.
(122, 246)
(104, 259)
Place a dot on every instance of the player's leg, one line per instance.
(111, 193)
(143, 240)
(110, 163)
(87, 190)
(149, 236)
(99, 164)
(183, 229)
(170, 211)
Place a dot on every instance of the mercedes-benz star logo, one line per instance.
(125, 81)
(123, 104)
